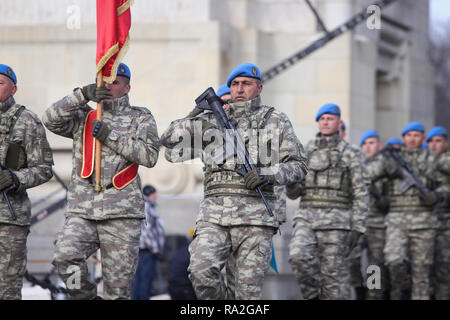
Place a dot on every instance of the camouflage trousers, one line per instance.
(250, 248)
(13, 260)
(409, 256)
(317, 258)
(442, 264)
(118, 241)
(376, 239)
(351, 274)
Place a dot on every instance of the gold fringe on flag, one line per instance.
(124, 7)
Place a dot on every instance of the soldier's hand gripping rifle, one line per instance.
(208, 100)
(5, 196)
(410, 179)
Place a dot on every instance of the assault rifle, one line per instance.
(5, 196)
(410, 179)
(208, 100)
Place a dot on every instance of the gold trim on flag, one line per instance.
(111, 51)
(124, 7)
(117, 61)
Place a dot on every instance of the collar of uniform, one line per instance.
(327, 142)
(411, 151)
(116, 105)
(4, 106)
(238, 109)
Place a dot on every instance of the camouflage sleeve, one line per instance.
(142, 148)
(444, 163)
(442, 177)
(292, 163)
(39, 158)
(375, 169)
(183, 139)
(64, 116)
(360, 181)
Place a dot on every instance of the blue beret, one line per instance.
(424, 146)
(223, 90)
(368, 134)
(413, 126)
(395, 141)
(123, 70)
(436, 132)
(343, 126)
(244, 70)
(329, 108)
(9, 72)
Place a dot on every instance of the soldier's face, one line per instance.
(7, 88)
(118, 88)
(438, 144)
(371, 146)
(244, 89)
(413, 139)
(329, 124)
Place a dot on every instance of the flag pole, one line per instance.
(98, 144)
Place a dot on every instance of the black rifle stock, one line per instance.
(409, 177)
(5, 196)
(208, 100)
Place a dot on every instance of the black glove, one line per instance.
(382, 204)
(100, 130)
(7, 179)
(92, 93)
(352, 241)
(254, 178)
(431, 198)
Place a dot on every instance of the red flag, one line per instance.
(113, 25)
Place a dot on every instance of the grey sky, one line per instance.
(439, 11)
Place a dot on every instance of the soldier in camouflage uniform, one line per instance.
(26, 161)
(333, 210)
(411, 223)
(351, 275)
(233, 219)
(437, 140)
(379, 206)
(109, 219)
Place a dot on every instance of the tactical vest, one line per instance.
(327, 184)
(121, 179)
(225, 181)
(12, 155)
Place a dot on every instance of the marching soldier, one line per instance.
(233, 220)
(109, 219)
(333, 210)
(437, 141)
(411, 223)
(379, 207)
(26, 161)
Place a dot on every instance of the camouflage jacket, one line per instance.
(29, 133)
(441, 173)
(133, 138)
(227, 201)
(408, 206)
(336, 185)
(376, 218)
